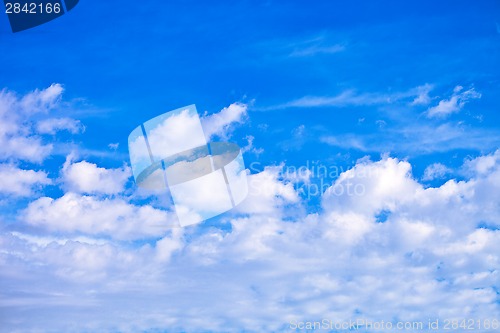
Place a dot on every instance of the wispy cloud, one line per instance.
(317, 49)
(418, 139)
(93, 245)
(453, 104)
(423, 97)
(349, 141)
(302, 47)
(417, 95)
(315, 45)
(53, 125)
(436, 171)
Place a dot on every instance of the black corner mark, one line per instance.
(26, 14)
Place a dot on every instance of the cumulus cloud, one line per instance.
(221, 123)
(433, 257)
(267, 194)
(85, 177)
(19, 182)
(380, 185)
(97, 254)
(484, 164)
(19, 138)
(113, 218)
(453, 104)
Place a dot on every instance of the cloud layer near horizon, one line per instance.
(95, 258)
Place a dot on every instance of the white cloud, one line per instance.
(268, 264)
(307, 47)
(423, 97)
(346, 141)
(346, 98)
(406, 132)
(220, 124)
(18, 182)
(29, 148)
(114, 218)
(381, 185)
(18, 138)
(53, 125)
(113, 146)
(418, 139)
(175, 134)
(435, 170)
(172, 133)
(484, 164)
(298, 138)
(267, 194)
(250, 147)
(454, 104)
(85, 177)
(42, 100)
(414, 97)
(313, 50)
(352, 98)
(43, 241)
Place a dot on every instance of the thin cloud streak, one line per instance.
(418, 139)
(351, 98)
(317, 49)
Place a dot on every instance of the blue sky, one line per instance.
(400, 98)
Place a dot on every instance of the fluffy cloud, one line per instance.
(42, 100)
(435, 170)
(267, 194)
(381, 185)
(434, 256)
(454, 104)
(220, 123)
(483, 165)
(382, 246)
(19, 182)
(113, 218)
(19, 138)
(85, 177)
